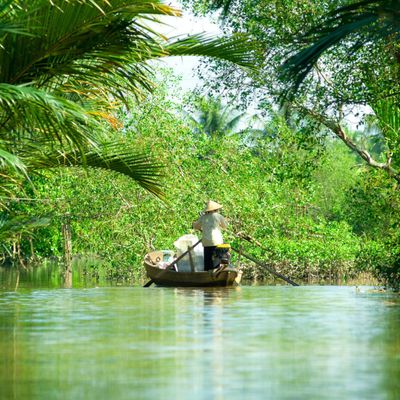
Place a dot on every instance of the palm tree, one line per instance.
(364, 21)
(214, 118)
(65, 67)
(359, 24)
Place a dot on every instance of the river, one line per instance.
(250, 342)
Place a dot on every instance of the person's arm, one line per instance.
(223, 223)
(197, 224)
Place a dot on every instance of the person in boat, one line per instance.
(210, 223)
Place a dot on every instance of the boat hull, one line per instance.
(223, 276)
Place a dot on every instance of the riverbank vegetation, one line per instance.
(319, 195)
(307, 221)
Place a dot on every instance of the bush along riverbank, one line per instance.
(274, 189)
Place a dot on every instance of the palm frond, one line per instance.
(9, 160)
(28, 110)
(8, 24)
(117, 156)
(214, 118)
(95, 42)
(71, 37)
(366, 21)
(239, 48)
(12, 226)
(387, 113)
(234, 122)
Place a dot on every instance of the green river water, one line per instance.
(250, 342)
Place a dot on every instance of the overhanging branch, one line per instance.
(338, 130)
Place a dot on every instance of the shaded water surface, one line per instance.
(164, 343)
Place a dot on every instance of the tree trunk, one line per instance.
(67, 237)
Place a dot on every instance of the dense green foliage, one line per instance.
(315, 209)
(66, 69)
(334, 59)
(273, 189)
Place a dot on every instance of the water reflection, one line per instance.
(165, 343)
(202, 312)
(50, 275)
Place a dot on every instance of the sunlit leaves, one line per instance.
(118, 156)
(70, 64)
(387, 114)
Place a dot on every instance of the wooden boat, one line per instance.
(156, 271)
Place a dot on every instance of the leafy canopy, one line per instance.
(65, 69)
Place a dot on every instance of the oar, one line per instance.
(190, 248)
(250, 239)
(269, 269)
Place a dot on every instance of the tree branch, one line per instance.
(338, 130)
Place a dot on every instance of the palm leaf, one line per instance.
(365, 21)
(234, 122)
(12, 226)
(34, 111)
(7, 24)
(76, 39)
(239, 48)
(214, 118)
(9, 160)
(387, 113)
(117, 156)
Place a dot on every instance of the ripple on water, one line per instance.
(307, 342)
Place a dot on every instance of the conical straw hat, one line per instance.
(212, 206)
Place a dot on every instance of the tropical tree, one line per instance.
(365, 21)
(354, 27)
(214, 118)
(359, 23)
(67, 67)
(342, 83)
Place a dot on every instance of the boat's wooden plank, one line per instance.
(224, 276)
